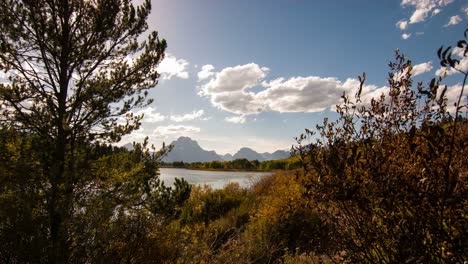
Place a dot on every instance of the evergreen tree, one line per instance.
(75, 69)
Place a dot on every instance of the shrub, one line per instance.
(390, 177)
(280, 222)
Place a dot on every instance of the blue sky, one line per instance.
(257, 73)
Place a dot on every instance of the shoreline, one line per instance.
(226, 170)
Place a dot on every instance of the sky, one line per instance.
(251, 73)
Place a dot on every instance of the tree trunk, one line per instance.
(62, 186)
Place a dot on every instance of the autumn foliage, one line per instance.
(386, 182)
(389, 177)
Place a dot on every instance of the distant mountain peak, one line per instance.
(182, 138)
(248, 153)
(246, 149)
(185, 140)
(188, 150)
(128, 146)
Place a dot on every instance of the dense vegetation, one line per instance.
(75, 69)
(384, 183)
(239, 164)
(389, 178)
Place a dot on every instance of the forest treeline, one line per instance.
(386, 182)
(239, 164)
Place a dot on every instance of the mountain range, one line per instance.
(187, 150)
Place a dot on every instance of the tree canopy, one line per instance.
(74, 66)
(75, 69)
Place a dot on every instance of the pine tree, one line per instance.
(75, 69)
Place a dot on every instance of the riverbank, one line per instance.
(215, 179)
(291, 163)
(220, 169)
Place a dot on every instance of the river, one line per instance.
(215, 179)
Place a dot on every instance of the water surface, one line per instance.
(215, 179)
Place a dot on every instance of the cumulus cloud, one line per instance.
(175, 130)
(301, 94)
(230, 90)
(172, 67)
(159, 134)
(402, 24)
(462, 66)
(452, 94)
(368, 93)
(423, 8)
(136, 136)
(150, 115)
(454, 20)
(230, 79)
(442, 71)
(188, 117)
(421, 68)
(236, 119)
(419, 15)
(206, 72)
(405, 36)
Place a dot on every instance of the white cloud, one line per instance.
(423, 8)
(402, 24)
(442, 71)
(454, 20)
(421, 68)
(406, 36)
(230, 79)
(419, 15)
(462, 66)
(229, 91)
(465, 10)
(136, 136)
(459, 52)
(160, 134)
(206, 118)
(187, 117)
(236, 119)
(206, 72)
(301, 94)
(175, 130)
(368, 93)
(452, 94)
(172, 67)
(150, 115)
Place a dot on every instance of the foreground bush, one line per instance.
(114, 215)
(389, 176)
(280, 221)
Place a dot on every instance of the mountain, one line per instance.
(250, 154)
(227, 157)
(279, 154)
(128, 146)
(187, 150)
(247, 153)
